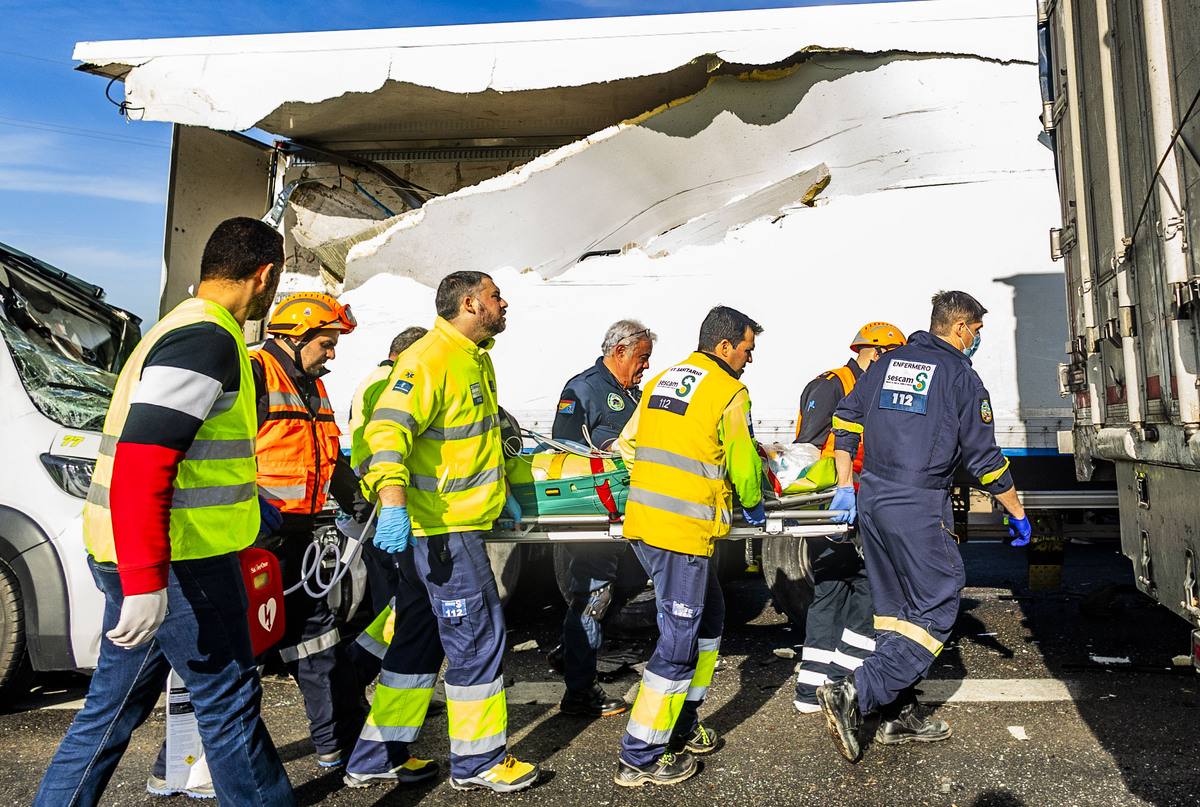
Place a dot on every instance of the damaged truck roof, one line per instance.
(391, 84)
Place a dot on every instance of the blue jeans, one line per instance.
(205, 637)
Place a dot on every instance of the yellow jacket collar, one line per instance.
(455, 336)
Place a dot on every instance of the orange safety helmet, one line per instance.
(878, 334)
(297, 314)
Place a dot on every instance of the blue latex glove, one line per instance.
(269, 518)
(393, 531)
(510, 514)
(756, 515)
(1020, 531)
(844, 498)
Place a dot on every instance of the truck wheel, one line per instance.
(639, 613)
(14, 664)
(506, 566)
(730, 559)
(786, 569)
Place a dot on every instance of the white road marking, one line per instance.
(993, 690)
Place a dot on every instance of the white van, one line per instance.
(63, 346)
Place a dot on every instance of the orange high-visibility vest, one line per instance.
(846, 376)
(296, 451)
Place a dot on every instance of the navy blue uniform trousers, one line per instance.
(407, 677)
(839, 632)
(691, 616)
(916, 576)
(470, 620)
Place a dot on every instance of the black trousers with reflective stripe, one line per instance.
(332, 695)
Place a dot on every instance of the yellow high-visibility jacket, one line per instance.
(361, 407)
(215, 504)
(688, 445)
(436, 430)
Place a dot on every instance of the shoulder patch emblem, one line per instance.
(409, 374)
(615, 402)
(985, 411)
(566, 407)
(403, 387)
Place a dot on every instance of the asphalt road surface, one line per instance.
(1055, 697)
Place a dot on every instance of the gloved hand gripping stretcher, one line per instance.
(574, 493)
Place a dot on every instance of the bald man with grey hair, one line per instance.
(593, 408)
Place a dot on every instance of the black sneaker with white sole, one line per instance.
(414, 770)
(699, 741)
(669, 769)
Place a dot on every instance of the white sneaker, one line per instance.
(159, 788)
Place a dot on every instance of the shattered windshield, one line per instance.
(63, 346)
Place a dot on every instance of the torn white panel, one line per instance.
(936, 181)
(202, 81)
(876, 123)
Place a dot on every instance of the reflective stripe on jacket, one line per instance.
(214, 509)
(436, 431)
(296, 451)
(688, 440)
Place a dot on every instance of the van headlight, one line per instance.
(72, 474)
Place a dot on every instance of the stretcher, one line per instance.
(576, 494)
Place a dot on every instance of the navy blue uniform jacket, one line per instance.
(921, 410)
(595, 399)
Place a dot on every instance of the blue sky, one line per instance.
(86, 191)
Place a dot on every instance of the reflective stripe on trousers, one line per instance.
(399, 707)
(311, 647)
(478, 718)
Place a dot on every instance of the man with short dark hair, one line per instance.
(173, 500)
(593, 408)
(436, 452)
(921, 410)
(688, 446)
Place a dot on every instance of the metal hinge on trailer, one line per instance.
(1061, 241)
(1072, 378)
(1185, 296)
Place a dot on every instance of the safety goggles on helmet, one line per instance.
(297, 314)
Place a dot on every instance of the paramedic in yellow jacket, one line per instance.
(437, 468)
(689, 445)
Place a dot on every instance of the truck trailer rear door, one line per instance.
(214, 176)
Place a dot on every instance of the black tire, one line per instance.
(506, 562)
(639, 613)
(730, 559)
(14, 663)
(784, 569)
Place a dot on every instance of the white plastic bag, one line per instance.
(790, 462)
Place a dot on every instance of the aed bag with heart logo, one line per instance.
(264, 589)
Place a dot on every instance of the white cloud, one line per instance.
(25, 148)
(73, 184)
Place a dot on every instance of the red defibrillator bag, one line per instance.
(264, 589)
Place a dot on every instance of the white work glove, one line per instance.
(141, 617)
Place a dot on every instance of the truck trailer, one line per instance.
(816, 167)
(1120, 93)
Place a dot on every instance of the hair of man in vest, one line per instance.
(627, 332)
(951, 306)
(453, 288)
(723, 322)
(405, 339)
(238, 247)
